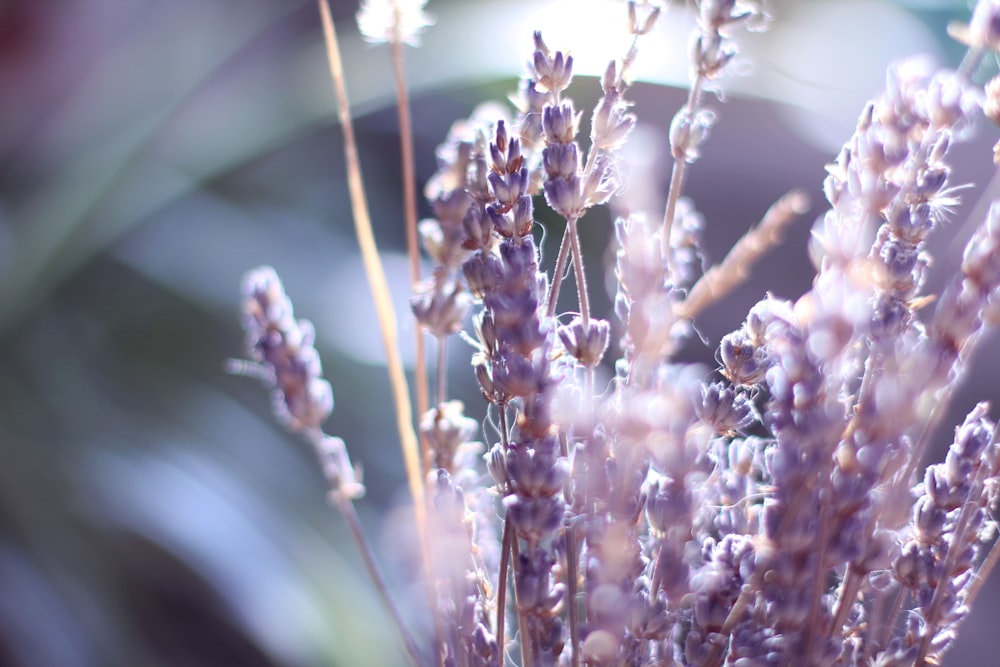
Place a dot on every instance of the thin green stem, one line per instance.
(346, 508)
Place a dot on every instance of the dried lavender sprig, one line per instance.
(937, 563)
(570, 189)
(889, 175)
(962, 312)
(712, 51)
(735, 267)
(440, 306)
(514, 369)
(290, 365)
(283, 348)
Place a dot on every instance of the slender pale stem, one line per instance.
(373, 268)
(581, 276)
(524, 638)
(442, 369)
(819, 582)
(679, 170)
(890, 623)
(410, 215)
(345, 505)
(958, 544)
(350, 515)
(557, 274)
(502, 586)
(571, 581)
(848, 591)
(379, 287)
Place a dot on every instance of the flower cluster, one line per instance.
(771, 513)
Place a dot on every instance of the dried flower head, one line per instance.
(397, 21)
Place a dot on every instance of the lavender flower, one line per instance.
(767, 514)
(283, 346)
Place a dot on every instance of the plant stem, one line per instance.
(581, 277)
(524, 638)
(442, 369)
(557, 274)
(502, 586)
(848, 590)
(350, 515)
(410, 216)
(679, 170)
(380, 291)
(571, 581)
(957, 545)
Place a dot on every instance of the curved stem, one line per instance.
(818, 582)
(890, 623)
(350, 515)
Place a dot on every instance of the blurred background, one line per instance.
(152, 151)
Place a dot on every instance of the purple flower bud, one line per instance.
(585, 344)
(743, 363)
(496, 465)
(687, 133)
(565, 197)
(533, 518)
(440, 306)
(726, 411)
(483, 273)
(561, 160)
(639, 24)
(445, 429)
(478, 229)
(560, 124)
(523, 216)
(553, 71)
(711, 54)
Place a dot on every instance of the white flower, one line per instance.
(393, 20)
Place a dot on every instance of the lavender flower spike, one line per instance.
(283, 346)
(763, 514)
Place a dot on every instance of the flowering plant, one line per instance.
(774, 513)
